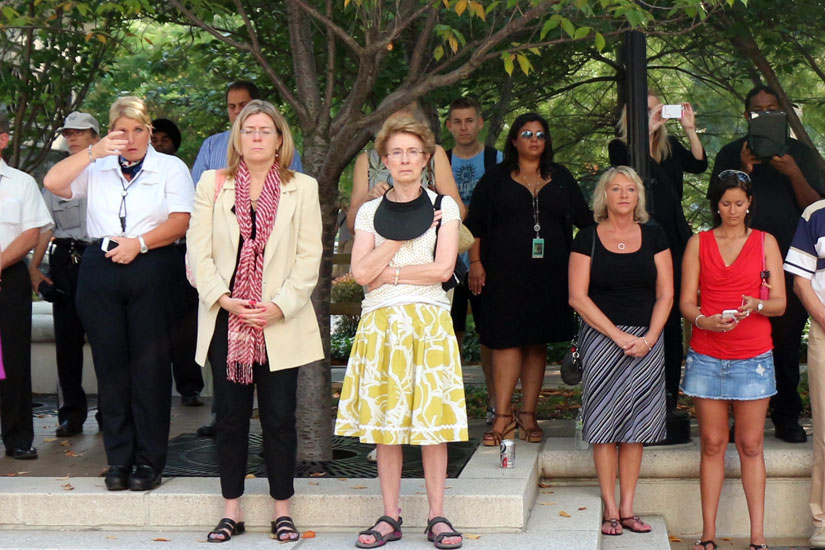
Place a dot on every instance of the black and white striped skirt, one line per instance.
(623, 397)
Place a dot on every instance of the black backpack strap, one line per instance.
(449, 155)
(490, 157)
(437, 206)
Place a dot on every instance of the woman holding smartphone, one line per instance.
(733, 268)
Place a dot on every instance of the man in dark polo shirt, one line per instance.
(782, 187)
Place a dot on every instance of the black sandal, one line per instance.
(284, 526)
(762, 546)
(381, 540)
(227, 528)
(704, 544)
(436, 539)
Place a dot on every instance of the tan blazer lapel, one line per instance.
(227, 200)
(286, 208)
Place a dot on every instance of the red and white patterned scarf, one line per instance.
(246, 343)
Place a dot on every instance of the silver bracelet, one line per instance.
(648, 345)
(91, 156)
(696, 321)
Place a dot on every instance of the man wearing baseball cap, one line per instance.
(81, 131)
(166, 136)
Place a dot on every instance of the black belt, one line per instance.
(72, 243)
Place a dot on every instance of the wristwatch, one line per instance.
(144, 249)
(759, 306)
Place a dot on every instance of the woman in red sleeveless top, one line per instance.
(727, 274)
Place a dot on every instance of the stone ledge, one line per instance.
(485, 499)
(560, 459)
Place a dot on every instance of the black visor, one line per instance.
(402, 221)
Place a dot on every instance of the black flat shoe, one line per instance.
(67, 429)
(207, 430)
(791, 432)
(144, 478)
(191, 400)
(117, 478)
(22, 453)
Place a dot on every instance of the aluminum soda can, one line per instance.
(507, 454)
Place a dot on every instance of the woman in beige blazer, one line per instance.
(255, 248)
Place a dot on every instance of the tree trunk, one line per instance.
(499, 111)
(314, 381)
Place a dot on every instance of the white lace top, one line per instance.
(413, 252)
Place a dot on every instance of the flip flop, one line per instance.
(614, 524)
(638, 521)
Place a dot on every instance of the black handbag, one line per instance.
(571, 363)
(460, 270)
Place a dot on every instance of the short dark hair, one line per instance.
(720, 188)
(758, 90)
(464, 103)
(4, 122)
(510, 152)
(250, 87)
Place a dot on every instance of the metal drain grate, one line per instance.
(193, 456)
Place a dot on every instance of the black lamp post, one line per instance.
(638, 145)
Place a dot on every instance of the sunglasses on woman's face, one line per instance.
(528, 134)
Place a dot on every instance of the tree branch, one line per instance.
(303, 60)
(276, 80)
(343, 35)
(420, 49)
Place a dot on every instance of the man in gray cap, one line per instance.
(80, 131)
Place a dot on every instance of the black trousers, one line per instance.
(276, 405)
(126, 310)
(16, 424)
(69, 335)
(787, 330)
(187, 373)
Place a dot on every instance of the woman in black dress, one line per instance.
(669, 160)
(522, 214)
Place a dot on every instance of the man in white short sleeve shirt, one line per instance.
(23, 215)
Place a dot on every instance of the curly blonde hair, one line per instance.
(600, 193)
(404, 125)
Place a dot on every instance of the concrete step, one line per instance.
(547, 529)
(485, 498)
(669, 485)
(655, 540)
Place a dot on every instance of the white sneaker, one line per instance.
(817, 540)
(372, 456)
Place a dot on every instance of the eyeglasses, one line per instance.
(527, 134)
(71, 133)
(262, 131)
(741, 177)
(398, 154)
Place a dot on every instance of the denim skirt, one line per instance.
(736, 379)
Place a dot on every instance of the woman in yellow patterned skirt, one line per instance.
(403, 382)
